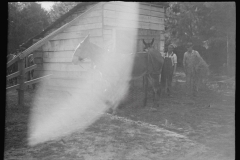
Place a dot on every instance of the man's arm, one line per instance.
(200, 57)
(184, 61)
(175, 63)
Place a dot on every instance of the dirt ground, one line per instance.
(178, 128)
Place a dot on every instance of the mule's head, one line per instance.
(82, 51)
(148, 46)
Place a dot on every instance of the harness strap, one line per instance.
(149, 54)
(153, 65)
(135, 78)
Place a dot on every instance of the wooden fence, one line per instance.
(20, 74)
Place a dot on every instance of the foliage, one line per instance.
(60, 8)
(25, 20)
(186, 21)
(208, 24)
(199, 21)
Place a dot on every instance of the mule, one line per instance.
(147, 65)
(155, 65)
(202, 73)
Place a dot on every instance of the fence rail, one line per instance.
(20, 74)
(36, 80)
(30, 68)
(13, 61)
(13, 87)
(13, 75)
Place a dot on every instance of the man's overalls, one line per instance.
(167, 74)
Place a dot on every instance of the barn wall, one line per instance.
(148, 17)
(104, 25)
(119, 19)
(56, 54)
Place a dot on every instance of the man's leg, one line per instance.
(195, 84)
(163, 83)
(188, 83)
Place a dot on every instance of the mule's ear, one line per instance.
(144, 42)
(86, 39)
(152, 42)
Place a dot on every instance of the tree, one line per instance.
(203, 23)
(60, 8)
(187, 21)
(224, 23)
(25, 20)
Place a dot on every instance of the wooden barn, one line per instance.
(106, 22)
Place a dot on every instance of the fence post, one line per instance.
(21, 79)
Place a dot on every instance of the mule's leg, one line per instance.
(163, 84)
(114, 108)
(131, 90)
(160, 91)
(143, 81)
(153, 97)
(153, 87)
(168, 89)
(191, 85)
(154, 93)
(163, 89)
(199, 84)
(159, 86)
(145, 90)
(195, 85)
(152, 82)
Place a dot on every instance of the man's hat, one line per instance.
(171, 45)
(189, 44)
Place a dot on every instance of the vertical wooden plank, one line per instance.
(21, 79)
(162, 46)
(114, 40)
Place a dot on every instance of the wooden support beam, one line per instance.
(21, 78)
(141, 52)
(30, 68)
(13, 75)
(36, 80)
(13, 61)
(12, 87)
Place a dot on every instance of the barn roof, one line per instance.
(63, 21)
(80, 6)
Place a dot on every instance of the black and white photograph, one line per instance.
(120, 80)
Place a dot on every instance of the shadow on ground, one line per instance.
(179, 127)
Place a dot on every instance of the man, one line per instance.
(169, 69)
(192, 63)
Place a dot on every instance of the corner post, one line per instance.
(21, 79)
